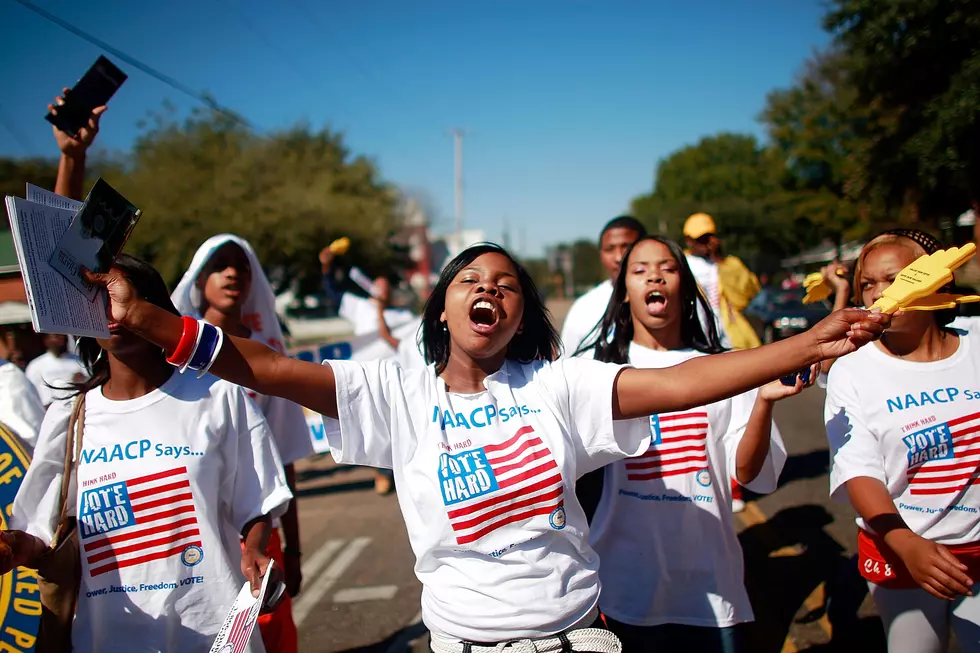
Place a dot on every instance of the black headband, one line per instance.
(924, 240)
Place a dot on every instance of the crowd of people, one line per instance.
(561, 492)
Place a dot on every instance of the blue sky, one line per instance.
(569, 105)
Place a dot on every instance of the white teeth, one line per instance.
(484, 304)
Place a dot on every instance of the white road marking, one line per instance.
(318, 588)
(315, 562)
(374, 593)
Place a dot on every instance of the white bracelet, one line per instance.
(197, 343)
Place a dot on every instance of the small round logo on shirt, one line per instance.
(192, 555)
(704, 478)
(557, 518)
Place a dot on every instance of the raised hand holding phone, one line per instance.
(73, 112)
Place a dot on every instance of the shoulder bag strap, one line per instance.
(73, 445)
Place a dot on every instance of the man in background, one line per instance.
(729, 285)
(587, 311)
(55, 369)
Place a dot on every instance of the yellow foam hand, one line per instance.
(340, 246)
(813, 279)
(923, 277)
(818, 293)
(817, 288)
(940, 302)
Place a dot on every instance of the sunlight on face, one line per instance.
(484, 306)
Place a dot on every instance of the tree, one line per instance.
(718, 167)
(288, 194)
(917, 62)
(814, 130)
(587, 270)
(16, 173)
(732, 178)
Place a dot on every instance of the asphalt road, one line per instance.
(361, 595)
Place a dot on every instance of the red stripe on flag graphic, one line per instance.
(958, 468)
(528, 484)
(147, 518)
(680, 446)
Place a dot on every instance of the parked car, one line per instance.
(777, 313)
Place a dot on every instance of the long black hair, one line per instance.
(610, 339)
(537, 340)
(151, 287)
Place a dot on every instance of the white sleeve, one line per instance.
(256, 484)
(288, 425)
(21, 409)
(37, 505)
(364, 410)
(599, 439)
(772, 467)
(854, 448)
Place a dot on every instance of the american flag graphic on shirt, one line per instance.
(143, 519)
(241, 630)
(678, 445)
(944, 458)
(499, 484)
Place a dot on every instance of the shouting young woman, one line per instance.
(487, 441)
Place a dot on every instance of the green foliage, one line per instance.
(733, 179)
(917, 62)
(16, 173)
(587, 270)
(288, 194)
(815, 131)
(718, 167)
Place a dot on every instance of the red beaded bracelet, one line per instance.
(186, 345)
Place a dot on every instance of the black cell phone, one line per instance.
(93, 90)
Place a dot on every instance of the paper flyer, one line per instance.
(95, 236)
(39, 195)
(56, 306)
(237, 628)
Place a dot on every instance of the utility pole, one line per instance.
(458, 182)
(506, 235)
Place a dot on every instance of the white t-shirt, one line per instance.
(914, 427)
(48, 372)
(663, 528)
(362, 313)
(165, 484)
(21, 409)
(486, 485)
(706, 272)
(586, 312)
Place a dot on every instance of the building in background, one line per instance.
(18, 342)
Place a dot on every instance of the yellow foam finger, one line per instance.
(923, 277)
(340, 246)
(940, 302)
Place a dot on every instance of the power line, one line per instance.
(169, 81)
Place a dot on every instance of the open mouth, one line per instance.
(483, 316)
(656, 303)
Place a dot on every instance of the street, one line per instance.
(360, 593)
